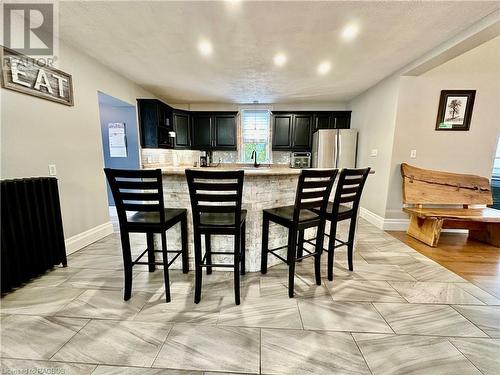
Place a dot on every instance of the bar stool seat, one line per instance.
(224, 219)
(343, 210)
(153, 218)
(284, 215)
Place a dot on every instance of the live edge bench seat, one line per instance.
(425, 187)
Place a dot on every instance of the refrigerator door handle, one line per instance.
(338, 149)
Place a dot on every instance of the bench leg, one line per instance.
(426, 230)
(490, 234)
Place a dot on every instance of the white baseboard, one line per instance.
(394, 224)
(92, 235)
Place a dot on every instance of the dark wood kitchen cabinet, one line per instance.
(292, 132)
(225, 132)
(201, 131)
(155, 123)
(332, 120)
(282, 131)
(213, 130)
(302, 132)
(181, 122)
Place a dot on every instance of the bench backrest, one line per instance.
(425, 186)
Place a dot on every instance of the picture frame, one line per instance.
(455, 109)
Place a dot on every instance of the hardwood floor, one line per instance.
(475, 261)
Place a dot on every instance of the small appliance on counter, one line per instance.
(300, 160)
(205, 158)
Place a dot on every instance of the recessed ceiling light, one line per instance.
(350, 32)
(280, 59)
(324, 67)
(205, 48)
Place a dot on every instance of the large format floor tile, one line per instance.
(38, 301)
(96, 261)
(434, 292)
(485, 317)
(181, 309)
(261, 312)
(104, 304)
(310, 352)
(437, 320)
(117, 370)
(96, 279)
(192, 347)
(36, 337)
(326, 314)
(24, 366)
(364, 290)
(430, 271)
(483, 353)
(415, 355)
(127, 343)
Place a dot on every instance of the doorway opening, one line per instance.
(120, 138)
(495, 178)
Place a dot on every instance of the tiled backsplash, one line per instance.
(163, 157)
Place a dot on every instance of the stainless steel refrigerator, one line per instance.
(334, 148)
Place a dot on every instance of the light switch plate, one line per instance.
(374, 152)
(52, 170)
(413, 154)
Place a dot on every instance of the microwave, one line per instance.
(300, 160)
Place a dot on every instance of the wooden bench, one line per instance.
(445, 191)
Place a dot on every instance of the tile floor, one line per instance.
(397, 313)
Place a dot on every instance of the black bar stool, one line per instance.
(141, 191)
(216, 204)
(344, 206)
(313, 191)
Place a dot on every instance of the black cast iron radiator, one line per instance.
(32, 232)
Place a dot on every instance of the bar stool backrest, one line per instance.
(215, 192)
(136, 190)
(349, 189)
(313, 190)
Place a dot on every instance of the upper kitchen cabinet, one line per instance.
(292, 132)
(282, 131)
(181, 122)
(332, 120)
(302, 132)
(155, 123)
(201, 131)
(213, 130)
(225, 131)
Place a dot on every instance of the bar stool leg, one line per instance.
(331, 248)
(243, 246)
(300, 246)
(184, 245)
(292, 246)
(127, 264)
(265, 246)
(318, 250)
(165, 265)
(151, 252)
(237, 242)
(208, 251)
(197, 265)
(350, 246)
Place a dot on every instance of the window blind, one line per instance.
(255, 126)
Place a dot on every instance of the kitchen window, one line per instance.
(255, 135)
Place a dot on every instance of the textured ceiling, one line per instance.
(155, 44)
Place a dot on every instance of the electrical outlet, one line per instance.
(52, 170)
(413, 154)
(374, 152)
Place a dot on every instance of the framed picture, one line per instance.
(455, 109)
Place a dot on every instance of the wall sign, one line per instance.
(117, 140)
(23, 74)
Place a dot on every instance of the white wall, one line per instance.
(38, 132)
(374, 115)
(456, 151)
